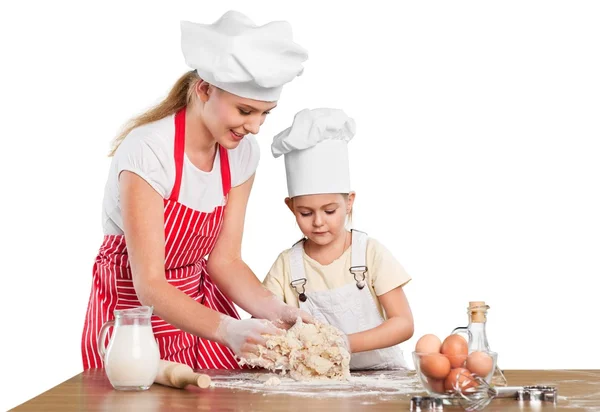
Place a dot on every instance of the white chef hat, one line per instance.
(242, 58)
(316, 152)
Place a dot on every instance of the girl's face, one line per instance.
(322, 218)
(229, 117)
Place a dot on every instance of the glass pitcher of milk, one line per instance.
(132, 357)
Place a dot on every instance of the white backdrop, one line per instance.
(476, 160)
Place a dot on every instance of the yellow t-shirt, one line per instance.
(384, 274)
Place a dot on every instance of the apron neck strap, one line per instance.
(358, 266)
(179, 152)
(225, 171)
(359, 248)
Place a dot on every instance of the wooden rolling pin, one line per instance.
(178, 375)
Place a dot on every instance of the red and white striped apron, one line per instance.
(190, 236)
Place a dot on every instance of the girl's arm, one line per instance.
(143, 217)
(275, 278)
(396, 329)
(231, 274)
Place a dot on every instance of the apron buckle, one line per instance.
(359, 273)
(299, 283)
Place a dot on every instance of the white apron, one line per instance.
(350, 308)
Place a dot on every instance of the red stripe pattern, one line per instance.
(190, 235)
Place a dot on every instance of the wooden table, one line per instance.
(578, 390)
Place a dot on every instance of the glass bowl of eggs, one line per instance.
(445, 367)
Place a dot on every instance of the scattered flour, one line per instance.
(366, 383)
(273, 381)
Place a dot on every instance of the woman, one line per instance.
(177, 191)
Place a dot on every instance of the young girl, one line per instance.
(341, 277)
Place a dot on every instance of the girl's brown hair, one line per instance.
(180, 96)
(345, 195)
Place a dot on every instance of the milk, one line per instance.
(132, 357)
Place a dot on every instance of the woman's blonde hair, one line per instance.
(180, 96)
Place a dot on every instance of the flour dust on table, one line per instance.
(378, 384)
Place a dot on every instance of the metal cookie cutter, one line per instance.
(426, 403)
(479, 397)
(538, 393)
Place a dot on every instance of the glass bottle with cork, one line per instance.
(477, 312)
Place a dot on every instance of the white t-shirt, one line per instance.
(148, 151)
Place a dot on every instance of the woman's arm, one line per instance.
(143, 221)
(397, 328)
(231, 274)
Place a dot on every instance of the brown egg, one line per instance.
(437, 385)
(456, 348)
(480, 363)
(428, 344)
(462, 376)
(435, 366)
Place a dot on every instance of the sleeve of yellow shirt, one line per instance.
(274, 279)
(386, 272)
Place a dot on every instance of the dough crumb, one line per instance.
(306, 352)
(272, 381)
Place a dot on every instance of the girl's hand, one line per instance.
(346, 342)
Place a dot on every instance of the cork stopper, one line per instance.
(477, 311)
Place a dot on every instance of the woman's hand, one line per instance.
(244, 336)
(283, 315)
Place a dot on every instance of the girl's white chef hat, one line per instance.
(242, 58)
(316, 152)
